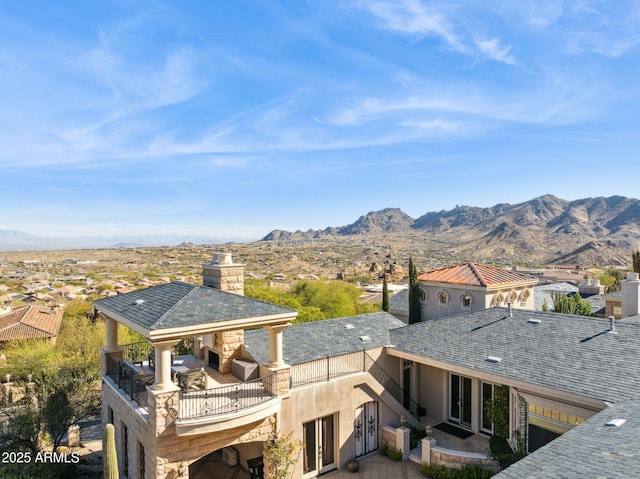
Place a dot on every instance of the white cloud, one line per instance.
(411, 17)
(495, 51)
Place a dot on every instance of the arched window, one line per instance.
(511, 297)
(443, 298)
(497, 300)
(524, 296)
(423, 295)
(465, 300)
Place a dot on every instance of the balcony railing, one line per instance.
(326, 369)
(128, 380)
(226, 399)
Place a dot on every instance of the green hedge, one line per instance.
(443, 472)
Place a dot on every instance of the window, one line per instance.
(511, 297)
(465, 300)
(443, 298)
(524, 296)
(497, 300)
(110, 415)
(617, 311)
(140, 460)
(423, 295)
(125, 449)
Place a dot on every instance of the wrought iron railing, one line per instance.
(128, 380)
(136, 352)
(326, 369)
(227, 399)
(391, 386)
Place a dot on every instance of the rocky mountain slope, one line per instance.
(547, 229)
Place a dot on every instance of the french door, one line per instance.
(365, 429)
(460, 400)
(319, 446)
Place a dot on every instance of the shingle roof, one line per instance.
(475, 274)
(591, 449)
(30, 322)
(178, 304)
(318, 339)
(566, 353)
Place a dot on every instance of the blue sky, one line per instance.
(234, 118)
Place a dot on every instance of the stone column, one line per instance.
(403, 441)
(162, 361)
(112, 335)
(427, 445)
(275, 345)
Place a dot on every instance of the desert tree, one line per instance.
(414, 293)
(385, 293)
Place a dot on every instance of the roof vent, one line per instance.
(612, 326)
(534, 321)
(365, 338)
(349, 326)
(138, 302)
(616, 422)
(494, 359)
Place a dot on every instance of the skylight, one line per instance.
(534, 321)
(138, 302)
(365, 338)
(494, 359)
(616, 422)
(349, 326)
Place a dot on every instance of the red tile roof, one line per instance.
(30, 322)
(475, 274)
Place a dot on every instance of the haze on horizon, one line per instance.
(234, 120)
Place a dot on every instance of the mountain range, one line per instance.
(547, 229)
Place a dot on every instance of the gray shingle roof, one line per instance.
(179, 304)
(563, 352)
(318, 339)
(590, 450)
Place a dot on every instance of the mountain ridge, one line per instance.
(598, 230)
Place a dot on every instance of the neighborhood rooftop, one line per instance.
(475, 274)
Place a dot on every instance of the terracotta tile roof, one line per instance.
(30, 322)
(475, 274)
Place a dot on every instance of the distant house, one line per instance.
(466, 287)
(30, 322)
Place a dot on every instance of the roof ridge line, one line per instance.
(477, 273)
(194, 287)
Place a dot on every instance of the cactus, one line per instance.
(110, 458)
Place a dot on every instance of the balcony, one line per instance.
(208, 401)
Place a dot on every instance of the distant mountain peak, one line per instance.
(545, 229)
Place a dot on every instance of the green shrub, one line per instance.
(391, 452)
(433, 471)
(415, 436)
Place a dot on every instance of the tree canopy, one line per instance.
(313, 299)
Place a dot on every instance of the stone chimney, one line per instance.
(220, 349)
(223, 274)
(631, 295)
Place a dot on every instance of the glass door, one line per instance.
(319, 448)
(460, 400)
(487, 394)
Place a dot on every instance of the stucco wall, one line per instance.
(339, 397)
